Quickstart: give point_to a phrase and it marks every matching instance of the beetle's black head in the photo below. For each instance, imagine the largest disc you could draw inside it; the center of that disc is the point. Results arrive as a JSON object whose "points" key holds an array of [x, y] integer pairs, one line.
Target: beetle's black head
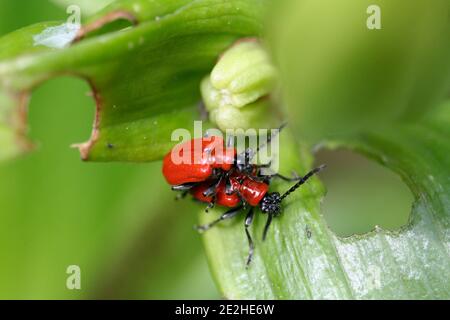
{"points": [[271, 203]]}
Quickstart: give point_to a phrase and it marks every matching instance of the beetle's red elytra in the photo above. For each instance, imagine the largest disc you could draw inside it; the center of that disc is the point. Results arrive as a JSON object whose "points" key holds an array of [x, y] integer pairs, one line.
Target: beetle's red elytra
{"points": [[196, 164]]}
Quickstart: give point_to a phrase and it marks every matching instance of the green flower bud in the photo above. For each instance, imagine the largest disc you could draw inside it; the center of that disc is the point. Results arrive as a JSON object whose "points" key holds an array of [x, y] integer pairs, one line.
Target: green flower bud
{"points": [[232, 93]]}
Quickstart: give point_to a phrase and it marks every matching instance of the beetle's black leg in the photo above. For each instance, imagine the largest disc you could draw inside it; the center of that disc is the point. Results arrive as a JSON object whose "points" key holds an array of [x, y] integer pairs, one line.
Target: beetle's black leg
{"points": [[211, 205], [227, 215], [230, 191], [260, 177], [184, 187], [244, 203], [182, 195], [228, 187], [295, 177], [251, 245], [266, 228], [267, 165], [211, 191]]}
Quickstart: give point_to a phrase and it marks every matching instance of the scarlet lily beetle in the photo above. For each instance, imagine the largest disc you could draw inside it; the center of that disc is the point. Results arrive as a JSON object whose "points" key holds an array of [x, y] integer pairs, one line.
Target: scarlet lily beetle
{"points": [[228, 179]]}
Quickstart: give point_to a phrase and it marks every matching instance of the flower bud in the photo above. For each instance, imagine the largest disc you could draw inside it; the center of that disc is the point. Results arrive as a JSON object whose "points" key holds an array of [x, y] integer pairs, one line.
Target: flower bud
{"points": [[234, 92]]}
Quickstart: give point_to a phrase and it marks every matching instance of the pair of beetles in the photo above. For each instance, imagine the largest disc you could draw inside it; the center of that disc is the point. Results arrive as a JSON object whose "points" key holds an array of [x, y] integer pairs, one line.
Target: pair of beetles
{"points": [[225, 178]]}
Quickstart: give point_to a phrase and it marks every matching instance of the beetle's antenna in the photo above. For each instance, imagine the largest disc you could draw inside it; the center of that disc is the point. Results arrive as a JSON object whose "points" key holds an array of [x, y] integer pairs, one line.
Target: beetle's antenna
{"points": [[269, 139], [249, 153], [303, 180]]}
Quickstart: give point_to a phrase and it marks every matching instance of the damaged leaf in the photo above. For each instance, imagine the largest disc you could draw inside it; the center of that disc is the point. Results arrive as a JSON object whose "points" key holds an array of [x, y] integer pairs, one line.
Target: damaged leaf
{"points": [[145, 78]]}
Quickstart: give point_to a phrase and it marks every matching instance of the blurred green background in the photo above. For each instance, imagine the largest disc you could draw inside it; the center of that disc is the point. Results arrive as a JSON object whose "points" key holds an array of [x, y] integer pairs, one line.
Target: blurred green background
{"points": [[119, 222]]}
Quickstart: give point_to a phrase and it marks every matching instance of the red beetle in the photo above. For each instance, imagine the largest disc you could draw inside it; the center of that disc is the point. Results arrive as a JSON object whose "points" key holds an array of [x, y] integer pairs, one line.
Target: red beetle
{"points": [[220, 176]]}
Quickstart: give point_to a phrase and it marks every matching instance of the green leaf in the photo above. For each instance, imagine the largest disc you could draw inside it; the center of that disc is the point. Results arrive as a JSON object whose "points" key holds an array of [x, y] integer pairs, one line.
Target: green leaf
{"points": [[303, 259], [146, 74], [145, 79], [119, 222]]}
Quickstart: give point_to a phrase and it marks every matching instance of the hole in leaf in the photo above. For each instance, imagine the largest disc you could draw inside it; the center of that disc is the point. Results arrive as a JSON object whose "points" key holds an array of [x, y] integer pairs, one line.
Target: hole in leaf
{"points": [[362, 194], [59, 127]]}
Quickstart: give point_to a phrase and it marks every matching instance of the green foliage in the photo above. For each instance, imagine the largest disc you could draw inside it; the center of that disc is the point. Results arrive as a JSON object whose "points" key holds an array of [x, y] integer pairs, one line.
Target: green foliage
{"points": [[344, 87], [411, 263], [341, 77], [145, 79], [118, 222]]}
